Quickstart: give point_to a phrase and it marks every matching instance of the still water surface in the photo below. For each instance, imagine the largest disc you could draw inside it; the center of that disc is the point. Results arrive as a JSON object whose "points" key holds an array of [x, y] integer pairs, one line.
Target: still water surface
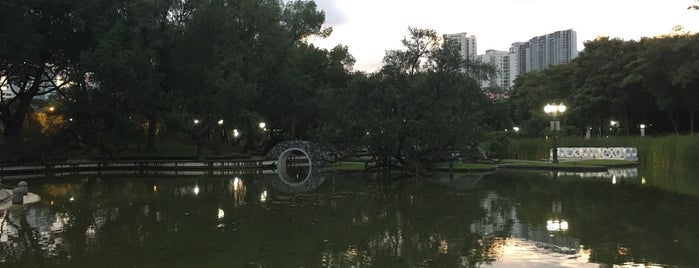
{"points": [[503, 219]]}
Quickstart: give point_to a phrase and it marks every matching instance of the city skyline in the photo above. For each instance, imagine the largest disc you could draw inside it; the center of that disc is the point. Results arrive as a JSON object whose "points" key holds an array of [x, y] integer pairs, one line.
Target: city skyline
{"points": [[371, 28]]}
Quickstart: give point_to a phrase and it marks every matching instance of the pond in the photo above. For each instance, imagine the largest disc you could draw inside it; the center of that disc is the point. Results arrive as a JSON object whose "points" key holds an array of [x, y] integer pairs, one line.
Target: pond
{"points": [[502, 219]]}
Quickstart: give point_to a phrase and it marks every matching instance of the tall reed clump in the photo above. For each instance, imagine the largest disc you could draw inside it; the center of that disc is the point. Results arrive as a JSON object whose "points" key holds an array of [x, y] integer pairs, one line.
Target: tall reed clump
{"points": [[674, 151]]}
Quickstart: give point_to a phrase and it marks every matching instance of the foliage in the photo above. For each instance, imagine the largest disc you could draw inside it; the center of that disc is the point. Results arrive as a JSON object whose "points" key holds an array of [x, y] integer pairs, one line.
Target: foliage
{"points": [[498, 144], [421, 105], [41, 43], [130, 70], [652, 81]]}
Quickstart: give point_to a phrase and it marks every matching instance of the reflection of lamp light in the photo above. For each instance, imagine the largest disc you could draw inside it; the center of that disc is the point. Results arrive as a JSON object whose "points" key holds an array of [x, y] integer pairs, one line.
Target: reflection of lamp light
{"points": [[221, 214], [236, 183], [557, 225]]}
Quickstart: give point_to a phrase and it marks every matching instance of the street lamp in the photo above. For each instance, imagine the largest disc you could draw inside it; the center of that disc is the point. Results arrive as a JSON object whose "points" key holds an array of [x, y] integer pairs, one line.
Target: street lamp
{"points": [[554, 110], [222, 130], [643, 130], [262, 125]]}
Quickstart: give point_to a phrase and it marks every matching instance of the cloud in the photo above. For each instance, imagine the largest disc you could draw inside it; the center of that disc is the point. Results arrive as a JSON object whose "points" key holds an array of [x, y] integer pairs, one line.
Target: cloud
{"points": [[333, 15]]}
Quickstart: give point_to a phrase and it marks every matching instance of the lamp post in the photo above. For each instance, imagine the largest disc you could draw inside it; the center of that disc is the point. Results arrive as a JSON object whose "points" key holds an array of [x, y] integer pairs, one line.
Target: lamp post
{"points": [[643, 130], [222, 130], [554, 110]]}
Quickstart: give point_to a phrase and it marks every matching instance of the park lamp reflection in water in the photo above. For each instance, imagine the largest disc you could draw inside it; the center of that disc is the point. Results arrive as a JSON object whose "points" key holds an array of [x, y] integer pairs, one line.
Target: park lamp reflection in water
{"points": [[557, 225], [238, 190], [220, 214], [237, 184], [263, 196]]}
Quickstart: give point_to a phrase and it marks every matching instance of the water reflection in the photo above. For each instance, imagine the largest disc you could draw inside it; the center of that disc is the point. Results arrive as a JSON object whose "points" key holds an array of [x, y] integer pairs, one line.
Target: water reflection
{"points": [[499, 219], [457, 181], [613, 172], [290, 181]]}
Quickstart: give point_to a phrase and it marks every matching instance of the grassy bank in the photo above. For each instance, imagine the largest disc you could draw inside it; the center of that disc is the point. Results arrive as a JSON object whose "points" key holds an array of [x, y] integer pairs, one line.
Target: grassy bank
{"points": [[582, 165], [662, 152]]}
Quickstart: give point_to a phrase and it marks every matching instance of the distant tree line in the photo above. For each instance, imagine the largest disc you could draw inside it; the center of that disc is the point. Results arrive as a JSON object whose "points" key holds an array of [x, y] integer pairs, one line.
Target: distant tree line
{"points": [[130, 71], [654, 82], [133, 69], [127, 72]]}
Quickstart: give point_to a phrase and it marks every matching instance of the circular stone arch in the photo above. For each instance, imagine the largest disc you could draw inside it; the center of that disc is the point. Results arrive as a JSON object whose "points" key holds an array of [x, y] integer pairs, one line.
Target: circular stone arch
{"points": [[280, 153]]}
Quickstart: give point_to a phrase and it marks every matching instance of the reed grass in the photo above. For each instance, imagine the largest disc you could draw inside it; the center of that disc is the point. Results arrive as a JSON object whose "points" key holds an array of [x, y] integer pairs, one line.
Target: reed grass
{"points": [[674, 151]]}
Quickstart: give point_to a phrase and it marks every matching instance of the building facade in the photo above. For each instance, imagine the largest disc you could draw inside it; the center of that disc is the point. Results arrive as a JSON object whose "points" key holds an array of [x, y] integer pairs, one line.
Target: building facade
{"points": [[467, 44], [519, 54], [552, 49], [501, 60]]}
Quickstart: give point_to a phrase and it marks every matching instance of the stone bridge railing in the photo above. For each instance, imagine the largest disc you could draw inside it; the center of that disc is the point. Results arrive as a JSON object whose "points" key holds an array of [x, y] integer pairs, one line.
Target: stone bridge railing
{"points": [[583, 153]]}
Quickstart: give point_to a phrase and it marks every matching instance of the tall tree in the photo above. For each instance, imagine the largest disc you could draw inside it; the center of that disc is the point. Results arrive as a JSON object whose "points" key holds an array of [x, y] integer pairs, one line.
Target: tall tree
{"points": [[667, 69], [130, 60], [421, 105], [600, 90], [41, 43]]}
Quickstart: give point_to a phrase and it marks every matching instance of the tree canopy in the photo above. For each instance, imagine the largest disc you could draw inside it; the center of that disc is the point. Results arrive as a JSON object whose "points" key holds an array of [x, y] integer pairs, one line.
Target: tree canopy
{"points": [[650, 82], [422, 105]]}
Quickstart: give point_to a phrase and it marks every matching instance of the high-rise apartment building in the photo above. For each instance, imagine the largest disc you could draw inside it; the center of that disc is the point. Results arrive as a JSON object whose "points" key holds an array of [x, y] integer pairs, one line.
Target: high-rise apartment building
{"points": [[501, 60], [518, 54], [467, 44], [552, 49]]}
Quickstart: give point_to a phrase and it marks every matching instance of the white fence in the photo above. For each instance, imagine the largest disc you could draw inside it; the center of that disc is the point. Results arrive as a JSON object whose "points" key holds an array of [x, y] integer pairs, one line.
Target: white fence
{"points": [[582, 153]]}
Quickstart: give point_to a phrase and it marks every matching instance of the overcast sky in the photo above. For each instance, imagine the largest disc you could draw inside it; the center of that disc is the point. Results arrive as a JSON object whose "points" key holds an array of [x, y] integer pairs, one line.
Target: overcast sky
{"points": [[370, 27]]}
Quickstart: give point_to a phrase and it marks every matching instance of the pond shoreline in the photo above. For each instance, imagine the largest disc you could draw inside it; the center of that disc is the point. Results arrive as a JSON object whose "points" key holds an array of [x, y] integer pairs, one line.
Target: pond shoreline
{"points": [[254, 163]]}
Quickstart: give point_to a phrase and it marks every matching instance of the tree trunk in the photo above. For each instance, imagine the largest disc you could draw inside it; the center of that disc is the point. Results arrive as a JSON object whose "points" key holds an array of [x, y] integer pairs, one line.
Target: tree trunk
{"points": [[691, 121], [673, 120], [14, 123], [150, 138], [200, 144]]}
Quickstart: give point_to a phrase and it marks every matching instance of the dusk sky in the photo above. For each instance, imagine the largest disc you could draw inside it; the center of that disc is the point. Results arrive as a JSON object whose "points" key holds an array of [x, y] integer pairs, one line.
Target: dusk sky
{"points": [[369, 28]]}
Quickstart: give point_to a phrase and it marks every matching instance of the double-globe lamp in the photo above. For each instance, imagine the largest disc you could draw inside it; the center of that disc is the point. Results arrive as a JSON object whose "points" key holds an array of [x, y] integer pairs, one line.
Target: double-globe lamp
{"points": [[554, 110]]}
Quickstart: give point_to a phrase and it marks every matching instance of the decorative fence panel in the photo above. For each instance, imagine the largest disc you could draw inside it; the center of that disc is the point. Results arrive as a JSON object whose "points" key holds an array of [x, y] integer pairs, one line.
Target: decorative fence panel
{"points": [[582, 153]]}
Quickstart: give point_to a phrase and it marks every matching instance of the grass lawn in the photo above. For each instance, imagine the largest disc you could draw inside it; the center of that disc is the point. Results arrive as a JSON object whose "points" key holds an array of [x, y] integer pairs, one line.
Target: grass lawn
{"points": [[572, 165], [464, 166], [595, 164], [345, 166]]}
